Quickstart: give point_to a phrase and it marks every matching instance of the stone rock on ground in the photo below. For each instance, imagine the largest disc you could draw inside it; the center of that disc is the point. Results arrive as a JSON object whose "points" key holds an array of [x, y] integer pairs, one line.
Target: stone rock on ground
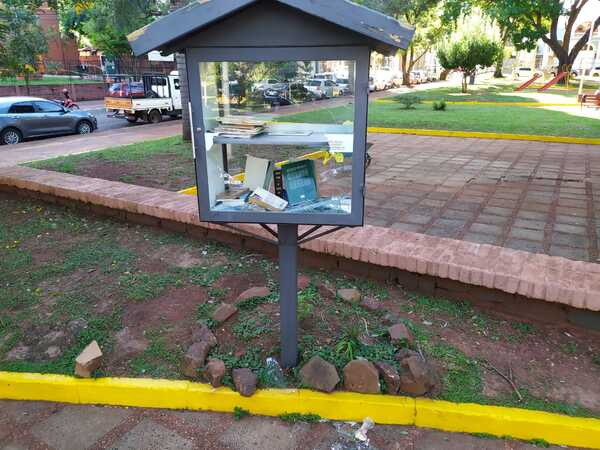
{"points": [[195, 358], [326, 291], [253, 292], [417, 377], [390, 376], [224, 312], [404, 353], [371, 303], [18, 353], [53, 352], [319, 374], [203, 334], [400, 333], [303, 282], [88, 360], [76, 326], [53, 337], [214, 372], [361, 376], [128, 344], [245, 381], [349, 295]]}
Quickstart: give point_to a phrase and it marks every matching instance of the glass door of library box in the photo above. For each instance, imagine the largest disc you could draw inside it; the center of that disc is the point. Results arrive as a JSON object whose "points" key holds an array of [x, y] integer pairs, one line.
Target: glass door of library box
{"points": [[281, 140]]}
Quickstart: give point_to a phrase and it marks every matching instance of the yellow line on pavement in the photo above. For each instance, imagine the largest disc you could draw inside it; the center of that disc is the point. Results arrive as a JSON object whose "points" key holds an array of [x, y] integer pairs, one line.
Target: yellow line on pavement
{"points": [[486, 135], [383, 409]]}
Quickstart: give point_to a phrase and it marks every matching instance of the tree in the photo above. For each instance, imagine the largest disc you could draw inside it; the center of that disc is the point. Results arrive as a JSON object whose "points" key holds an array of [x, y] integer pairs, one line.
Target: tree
{"points": [[467, 54], [527, 21], [423, 15], [22, 42]]}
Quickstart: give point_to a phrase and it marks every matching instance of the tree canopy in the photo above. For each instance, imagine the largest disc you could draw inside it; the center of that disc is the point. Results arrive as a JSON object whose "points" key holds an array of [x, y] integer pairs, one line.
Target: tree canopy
{"points": [[469, 53]]}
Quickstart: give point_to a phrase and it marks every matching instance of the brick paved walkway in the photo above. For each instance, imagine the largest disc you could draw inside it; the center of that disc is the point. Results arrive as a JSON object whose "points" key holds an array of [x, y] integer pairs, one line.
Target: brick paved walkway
{"points": [[533, 196], [46, 426]]}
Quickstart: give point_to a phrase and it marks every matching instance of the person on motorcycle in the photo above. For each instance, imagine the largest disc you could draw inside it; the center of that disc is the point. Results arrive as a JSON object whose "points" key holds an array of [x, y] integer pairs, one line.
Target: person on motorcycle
{"points": [[67, 102]]}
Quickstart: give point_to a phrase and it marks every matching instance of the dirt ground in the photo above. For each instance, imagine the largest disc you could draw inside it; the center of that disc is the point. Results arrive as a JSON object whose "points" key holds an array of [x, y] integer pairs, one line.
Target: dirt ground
{"points": [[68, 278]]}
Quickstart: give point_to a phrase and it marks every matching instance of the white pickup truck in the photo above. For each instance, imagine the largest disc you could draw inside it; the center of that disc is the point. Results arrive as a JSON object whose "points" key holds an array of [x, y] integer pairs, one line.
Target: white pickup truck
{"points": [[148, 100]]}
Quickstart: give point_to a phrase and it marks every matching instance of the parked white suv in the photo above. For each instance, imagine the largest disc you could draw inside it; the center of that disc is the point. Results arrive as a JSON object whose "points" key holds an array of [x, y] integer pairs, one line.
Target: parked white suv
{"points": [[595, 72], [323, 88]]}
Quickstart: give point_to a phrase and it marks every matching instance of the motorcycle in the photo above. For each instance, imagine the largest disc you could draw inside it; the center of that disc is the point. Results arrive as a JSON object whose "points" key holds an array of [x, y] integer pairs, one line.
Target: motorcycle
{"points": [[67, 104]]}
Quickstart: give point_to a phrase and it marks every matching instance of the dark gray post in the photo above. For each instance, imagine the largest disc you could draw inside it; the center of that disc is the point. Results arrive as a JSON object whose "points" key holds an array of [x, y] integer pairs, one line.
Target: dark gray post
{"points": [[288, 293]]}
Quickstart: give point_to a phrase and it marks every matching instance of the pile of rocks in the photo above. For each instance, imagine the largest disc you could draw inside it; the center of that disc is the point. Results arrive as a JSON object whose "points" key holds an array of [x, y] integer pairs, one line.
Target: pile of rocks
{"points": [[415, 376], [195, 364]]}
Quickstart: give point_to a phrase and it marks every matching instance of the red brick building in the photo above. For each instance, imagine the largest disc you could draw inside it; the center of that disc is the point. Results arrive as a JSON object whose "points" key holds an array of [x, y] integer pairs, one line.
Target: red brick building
{"points": [[62, 51]]}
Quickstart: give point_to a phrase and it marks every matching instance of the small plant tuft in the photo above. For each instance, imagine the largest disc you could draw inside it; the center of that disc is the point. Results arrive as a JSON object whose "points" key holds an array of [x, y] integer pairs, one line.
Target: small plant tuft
{"points": [[439, 106], [409, 101], [299, 417], [240, 413]]}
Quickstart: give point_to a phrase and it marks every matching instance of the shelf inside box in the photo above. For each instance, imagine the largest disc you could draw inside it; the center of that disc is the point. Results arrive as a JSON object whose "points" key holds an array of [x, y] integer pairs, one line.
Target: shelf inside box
{"points": [[302, 134]]}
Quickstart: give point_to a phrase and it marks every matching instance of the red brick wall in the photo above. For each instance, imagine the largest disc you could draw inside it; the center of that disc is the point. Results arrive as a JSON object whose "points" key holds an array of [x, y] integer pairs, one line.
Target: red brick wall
{"points": [[60, 49], [79, 92]]}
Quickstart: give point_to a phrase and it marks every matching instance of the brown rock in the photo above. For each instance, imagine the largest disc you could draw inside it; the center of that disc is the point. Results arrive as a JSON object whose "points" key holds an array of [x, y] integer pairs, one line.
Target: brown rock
{"points": [[404, 353], [18, 353], [88, 360], [195, 358], [361, 376], [127, 344], [224, 312], [53, 351], [370, 303], [245, 381], [349, 295], [203, 334], [253, 292], [417, 377], [400, 333], [303, 282], [319, 374], [390, 376], [326, 291], [214, 372]]}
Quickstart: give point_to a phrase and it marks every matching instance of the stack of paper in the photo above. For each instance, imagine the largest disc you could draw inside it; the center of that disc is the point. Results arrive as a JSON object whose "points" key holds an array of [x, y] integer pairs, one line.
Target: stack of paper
{"points": [[267, 200], [240, 127]]}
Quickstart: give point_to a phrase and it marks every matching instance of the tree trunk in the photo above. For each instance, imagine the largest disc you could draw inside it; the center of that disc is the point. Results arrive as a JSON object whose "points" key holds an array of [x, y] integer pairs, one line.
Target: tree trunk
{"points": [[186, 131], [26, 76], [465, 83], [405, 70]]}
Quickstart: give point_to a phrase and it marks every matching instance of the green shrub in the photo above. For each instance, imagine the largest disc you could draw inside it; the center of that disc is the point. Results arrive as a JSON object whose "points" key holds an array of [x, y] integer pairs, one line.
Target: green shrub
{"points": [[439, 106], [409, 101]]}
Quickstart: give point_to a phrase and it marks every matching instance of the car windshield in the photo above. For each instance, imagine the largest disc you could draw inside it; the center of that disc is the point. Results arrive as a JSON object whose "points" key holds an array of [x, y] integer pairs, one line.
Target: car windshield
{"points": [[525, 68], [342, 80], [314, 83]]}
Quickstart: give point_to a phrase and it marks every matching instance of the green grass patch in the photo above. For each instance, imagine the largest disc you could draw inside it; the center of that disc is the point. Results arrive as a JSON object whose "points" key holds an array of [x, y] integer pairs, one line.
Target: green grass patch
{"points": [[389, 113], [46, 81], [145, 286], [122, 154], [158, 360], [240, 413]]}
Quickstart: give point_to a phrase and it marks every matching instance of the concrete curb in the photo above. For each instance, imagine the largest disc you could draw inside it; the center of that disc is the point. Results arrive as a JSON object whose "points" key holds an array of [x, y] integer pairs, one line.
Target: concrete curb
{"points": [[486, 135], [383, 409]]}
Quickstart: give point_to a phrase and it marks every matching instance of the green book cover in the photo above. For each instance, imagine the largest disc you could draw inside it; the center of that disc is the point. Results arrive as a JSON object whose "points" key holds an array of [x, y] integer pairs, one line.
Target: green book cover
{"points": [[300, 181]]}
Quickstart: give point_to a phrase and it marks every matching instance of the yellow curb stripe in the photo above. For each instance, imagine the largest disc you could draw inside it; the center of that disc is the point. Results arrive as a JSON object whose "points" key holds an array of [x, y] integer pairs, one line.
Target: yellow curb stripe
{"points": [[486, 135], [167, 394], [468, 102]]}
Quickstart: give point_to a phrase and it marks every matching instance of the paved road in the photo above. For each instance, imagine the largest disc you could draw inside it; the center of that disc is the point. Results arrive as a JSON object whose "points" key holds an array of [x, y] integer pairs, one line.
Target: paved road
{"points": [[70, 145]]}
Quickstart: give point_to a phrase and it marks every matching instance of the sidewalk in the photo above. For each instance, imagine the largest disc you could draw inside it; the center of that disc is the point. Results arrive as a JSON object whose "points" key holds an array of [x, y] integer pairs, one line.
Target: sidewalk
{"points": [[39, 425], [75, 144]]}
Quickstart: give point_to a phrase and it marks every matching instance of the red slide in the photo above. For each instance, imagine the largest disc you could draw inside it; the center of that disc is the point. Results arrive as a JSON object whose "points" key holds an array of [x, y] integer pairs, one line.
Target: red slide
{"points": [[528, 82], [553, 81]]}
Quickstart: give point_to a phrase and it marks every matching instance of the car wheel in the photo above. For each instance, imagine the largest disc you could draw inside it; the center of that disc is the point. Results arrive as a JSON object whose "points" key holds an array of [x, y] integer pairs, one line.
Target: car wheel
{"points": [[132, 119], [84, 127], [155, 116], [11, 136]]}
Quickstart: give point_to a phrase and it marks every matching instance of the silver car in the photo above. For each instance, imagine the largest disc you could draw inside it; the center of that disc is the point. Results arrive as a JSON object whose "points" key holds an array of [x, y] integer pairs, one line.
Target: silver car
{"points": [[28, 117]]}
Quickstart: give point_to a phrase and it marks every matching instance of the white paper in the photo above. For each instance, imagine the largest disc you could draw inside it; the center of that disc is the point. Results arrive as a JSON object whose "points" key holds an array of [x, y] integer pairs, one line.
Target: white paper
{"points": [[340, 143]]}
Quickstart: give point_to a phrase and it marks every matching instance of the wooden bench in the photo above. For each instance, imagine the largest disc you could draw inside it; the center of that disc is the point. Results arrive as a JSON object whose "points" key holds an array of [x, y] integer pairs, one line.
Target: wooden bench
{"points": [[589, 100]]}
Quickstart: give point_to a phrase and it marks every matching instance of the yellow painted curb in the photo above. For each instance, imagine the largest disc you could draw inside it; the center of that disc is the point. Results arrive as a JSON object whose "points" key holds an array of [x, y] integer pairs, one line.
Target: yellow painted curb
{"points": [[468, 102], [486, 135], [149, 393]]}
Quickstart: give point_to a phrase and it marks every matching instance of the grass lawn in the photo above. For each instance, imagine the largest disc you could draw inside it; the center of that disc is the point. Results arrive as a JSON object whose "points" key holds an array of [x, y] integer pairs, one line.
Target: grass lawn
{"points": [[47, 80], [68, 278]]}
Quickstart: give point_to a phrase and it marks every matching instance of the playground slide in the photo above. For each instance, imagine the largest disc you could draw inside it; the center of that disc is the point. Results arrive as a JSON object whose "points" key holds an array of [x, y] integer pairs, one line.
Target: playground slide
{"points": [[528, 82], [553, 81]]}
